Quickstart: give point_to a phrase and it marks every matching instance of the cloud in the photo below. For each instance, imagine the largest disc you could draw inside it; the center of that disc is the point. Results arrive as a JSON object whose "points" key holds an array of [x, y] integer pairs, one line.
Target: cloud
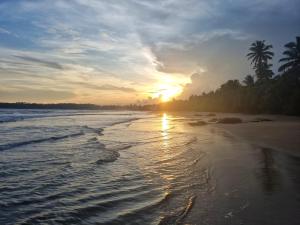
{"points": [[4, 31], [132, 45], [221, 56], [116, 88], [200, 82], [34, 95], [105, 87], [46, 63]]}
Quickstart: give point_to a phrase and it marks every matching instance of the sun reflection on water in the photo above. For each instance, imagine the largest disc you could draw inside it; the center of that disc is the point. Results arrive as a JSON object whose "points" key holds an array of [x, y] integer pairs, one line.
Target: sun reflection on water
{"points": [[165, 129], [165, 122]]}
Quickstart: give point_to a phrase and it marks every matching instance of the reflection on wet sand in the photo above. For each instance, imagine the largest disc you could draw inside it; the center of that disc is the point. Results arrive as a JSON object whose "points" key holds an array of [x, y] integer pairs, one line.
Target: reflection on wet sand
{"points": [[269, 175]]}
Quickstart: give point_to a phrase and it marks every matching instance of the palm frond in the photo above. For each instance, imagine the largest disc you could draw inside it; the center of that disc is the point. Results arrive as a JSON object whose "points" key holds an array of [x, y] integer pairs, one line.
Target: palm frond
{"points": [[290, 45], [285, 66], [285, 59]]}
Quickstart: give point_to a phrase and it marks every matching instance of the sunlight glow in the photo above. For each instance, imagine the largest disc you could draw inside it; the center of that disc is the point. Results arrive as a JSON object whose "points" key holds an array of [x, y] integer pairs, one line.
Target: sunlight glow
{"points": [[164, 123], [165, 130], [167, 92]]}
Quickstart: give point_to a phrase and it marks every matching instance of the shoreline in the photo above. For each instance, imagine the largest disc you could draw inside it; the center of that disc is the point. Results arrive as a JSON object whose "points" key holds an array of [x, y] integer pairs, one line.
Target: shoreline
{"points": [[277, 132]]}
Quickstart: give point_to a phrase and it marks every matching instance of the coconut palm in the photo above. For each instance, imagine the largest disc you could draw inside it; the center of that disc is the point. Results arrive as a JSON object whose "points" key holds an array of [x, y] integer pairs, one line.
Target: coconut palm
{"points": [[259, 55], [292, 53], [263, 71], [260, 52]]}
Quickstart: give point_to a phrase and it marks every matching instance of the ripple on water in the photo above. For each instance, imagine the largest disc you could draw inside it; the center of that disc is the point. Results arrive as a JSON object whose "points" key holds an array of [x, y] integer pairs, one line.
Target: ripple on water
{"points": [[94, 175]]}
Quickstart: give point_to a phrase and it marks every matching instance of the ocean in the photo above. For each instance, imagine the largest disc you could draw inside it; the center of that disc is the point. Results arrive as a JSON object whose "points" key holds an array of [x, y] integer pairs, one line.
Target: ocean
{"points": [[125, 167]]}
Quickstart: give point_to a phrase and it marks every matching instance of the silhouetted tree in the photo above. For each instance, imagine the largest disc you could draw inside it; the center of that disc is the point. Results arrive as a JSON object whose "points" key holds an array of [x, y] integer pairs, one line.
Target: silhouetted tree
{"points": [[231, 85], [259, 55], [292, 56], [279, 94], [249, 81], [263, 71]]}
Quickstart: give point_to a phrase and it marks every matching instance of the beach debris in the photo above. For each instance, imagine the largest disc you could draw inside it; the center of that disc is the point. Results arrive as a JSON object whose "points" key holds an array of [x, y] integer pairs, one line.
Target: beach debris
{"points": [[246, 205], [230, 120], [198, 123], [229, 215]]}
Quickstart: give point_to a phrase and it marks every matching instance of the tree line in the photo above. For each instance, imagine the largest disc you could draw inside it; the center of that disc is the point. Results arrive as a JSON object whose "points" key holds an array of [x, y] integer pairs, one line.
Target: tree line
{"points": [[263, 92], [66, 106]]}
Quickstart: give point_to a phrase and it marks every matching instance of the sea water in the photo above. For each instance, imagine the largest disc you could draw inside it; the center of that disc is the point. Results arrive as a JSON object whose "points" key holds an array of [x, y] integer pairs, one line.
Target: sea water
{"points": [[125, 167]]}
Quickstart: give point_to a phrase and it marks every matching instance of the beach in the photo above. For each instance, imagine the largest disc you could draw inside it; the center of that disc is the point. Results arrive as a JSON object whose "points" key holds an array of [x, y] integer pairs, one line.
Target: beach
{"points": [[273, 159], [127, 167], [282, 134]]}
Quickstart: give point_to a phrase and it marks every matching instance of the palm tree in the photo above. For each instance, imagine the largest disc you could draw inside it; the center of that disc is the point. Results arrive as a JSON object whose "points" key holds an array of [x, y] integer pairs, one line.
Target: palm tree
{"points": [[292, 59], [263, 71], [260, 52], [248, 81], [259, 55]]}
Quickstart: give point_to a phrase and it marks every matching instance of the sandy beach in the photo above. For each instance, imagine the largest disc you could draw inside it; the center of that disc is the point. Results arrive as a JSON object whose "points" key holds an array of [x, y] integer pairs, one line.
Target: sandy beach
{"points": [[282, 134]]}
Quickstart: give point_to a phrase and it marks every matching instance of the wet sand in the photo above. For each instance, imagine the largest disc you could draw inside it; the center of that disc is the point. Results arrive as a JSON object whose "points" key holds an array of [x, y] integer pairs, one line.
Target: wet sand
{"points": [[254, 171], [283, 134]]}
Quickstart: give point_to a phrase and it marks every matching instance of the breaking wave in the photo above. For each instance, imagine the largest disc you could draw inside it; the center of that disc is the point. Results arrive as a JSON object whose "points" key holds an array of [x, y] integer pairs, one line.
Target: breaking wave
{"points": [[36, 141]]}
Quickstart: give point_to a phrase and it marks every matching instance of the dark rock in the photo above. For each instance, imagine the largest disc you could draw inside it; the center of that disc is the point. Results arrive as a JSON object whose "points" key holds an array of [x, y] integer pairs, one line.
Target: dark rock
{"points": [[230, 120], [262, 120], [198, 123], [211, 114], [213, 120]]}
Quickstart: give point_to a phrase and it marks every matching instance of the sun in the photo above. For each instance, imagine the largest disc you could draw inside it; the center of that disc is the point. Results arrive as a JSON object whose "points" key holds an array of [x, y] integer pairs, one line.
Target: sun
{"points": [[167, 92]]}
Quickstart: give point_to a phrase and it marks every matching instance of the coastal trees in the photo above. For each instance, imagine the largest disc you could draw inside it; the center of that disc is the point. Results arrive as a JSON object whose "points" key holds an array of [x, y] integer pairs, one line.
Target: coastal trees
{"points": [[292, 56], [259, 54], [249, 81], [279, 94], [230, 85], [263, 71]]}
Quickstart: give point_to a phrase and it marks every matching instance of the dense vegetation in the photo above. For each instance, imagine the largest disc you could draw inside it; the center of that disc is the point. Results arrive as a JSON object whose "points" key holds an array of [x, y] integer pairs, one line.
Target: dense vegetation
{"points": [[261, 93]]}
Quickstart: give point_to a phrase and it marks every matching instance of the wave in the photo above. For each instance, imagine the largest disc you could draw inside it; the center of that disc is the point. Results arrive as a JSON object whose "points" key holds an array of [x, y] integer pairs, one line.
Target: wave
{"points": [[10, 119], [108, 156], [178, 215], [53, 138], [125, 121], [16, 118], [95, 130]]}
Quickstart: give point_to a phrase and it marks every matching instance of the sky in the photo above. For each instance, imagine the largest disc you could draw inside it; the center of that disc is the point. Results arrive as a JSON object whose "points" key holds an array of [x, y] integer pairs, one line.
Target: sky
{"points": [[133, 51]]}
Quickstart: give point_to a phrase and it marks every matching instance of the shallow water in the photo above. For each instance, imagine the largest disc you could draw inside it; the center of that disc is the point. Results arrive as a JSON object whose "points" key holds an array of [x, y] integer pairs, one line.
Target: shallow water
{"points": [[121, 167]]}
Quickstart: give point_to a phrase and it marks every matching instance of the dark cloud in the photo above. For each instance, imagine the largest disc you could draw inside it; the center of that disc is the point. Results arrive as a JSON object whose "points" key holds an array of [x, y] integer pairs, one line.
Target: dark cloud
{"points": [[43, 62], [220, 56], [36, 95], [219, 41], [105, 87]]}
